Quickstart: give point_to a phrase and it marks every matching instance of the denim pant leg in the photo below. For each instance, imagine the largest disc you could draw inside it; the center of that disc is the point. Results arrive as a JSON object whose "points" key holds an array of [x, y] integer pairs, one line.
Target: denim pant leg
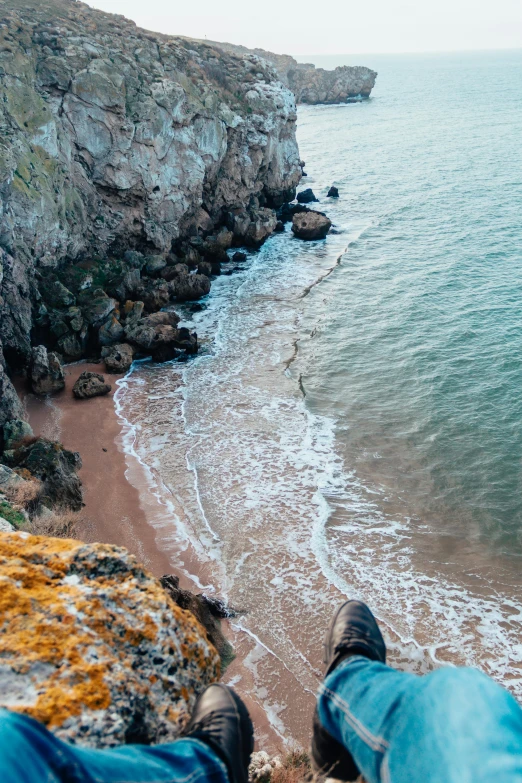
{"points": [[451, 726], [30, 753]]}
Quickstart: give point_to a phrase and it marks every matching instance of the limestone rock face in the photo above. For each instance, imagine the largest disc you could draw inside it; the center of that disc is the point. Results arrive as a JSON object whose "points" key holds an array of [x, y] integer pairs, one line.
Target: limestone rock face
{"points": [[309, 84], [93, 647], [118, 136], [311, 225]]}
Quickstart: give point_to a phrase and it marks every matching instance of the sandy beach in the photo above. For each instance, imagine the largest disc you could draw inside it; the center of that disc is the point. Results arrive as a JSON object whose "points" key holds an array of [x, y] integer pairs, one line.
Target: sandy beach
{"points": [[118, 511]]}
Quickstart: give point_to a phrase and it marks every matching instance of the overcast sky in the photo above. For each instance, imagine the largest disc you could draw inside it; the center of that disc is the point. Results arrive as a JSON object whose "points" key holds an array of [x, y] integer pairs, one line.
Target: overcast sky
{"points": [[336, 26]]}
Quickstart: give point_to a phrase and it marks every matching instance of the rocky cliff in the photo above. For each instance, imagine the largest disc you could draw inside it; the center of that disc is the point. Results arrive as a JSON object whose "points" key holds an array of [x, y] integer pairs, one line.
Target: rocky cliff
{"points": [[344, 84], [115, 139]]}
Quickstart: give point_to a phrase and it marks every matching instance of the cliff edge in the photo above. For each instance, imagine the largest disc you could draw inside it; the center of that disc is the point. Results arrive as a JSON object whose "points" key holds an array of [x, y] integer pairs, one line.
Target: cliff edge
{"points": [[344, 84], [112, 139]]}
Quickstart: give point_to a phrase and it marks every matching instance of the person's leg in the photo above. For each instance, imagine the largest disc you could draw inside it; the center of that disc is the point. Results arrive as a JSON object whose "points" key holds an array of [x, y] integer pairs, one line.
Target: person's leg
{"points": [[29, 753], [451, 726]]}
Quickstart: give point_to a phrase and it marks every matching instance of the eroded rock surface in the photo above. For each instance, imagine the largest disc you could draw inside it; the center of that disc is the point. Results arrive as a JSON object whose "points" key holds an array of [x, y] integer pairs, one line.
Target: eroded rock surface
{"points": [[311, 225], [90, 384], [344, 84], [93, 647]]}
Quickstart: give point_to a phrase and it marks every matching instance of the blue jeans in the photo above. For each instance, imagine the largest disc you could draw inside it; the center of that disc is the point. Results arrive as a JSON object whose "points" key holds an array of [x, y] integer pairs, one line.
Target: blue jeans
{"points": [[450, 726], [31, 754]]}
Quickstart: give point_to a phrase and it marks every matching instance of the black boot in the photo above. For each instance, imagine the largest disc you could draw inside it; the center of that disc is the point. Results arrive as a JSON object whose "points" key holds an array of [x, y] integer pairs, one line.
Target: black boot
{"points": [[353, 631], [221, 720]]}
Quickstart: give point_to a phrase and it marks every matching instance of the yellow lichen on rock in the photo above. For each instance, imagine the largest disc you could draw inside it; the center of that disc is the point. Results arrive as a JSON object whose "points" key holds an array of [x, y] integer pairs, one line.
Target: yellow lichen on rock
{"points": [[92, 646]]}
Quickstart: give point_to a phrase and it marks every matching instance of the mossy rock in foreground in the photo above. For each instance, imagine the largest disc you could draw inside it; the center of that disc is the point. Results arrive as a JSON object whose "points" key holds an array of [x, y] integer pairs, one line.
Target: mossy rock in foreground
{"points": [[93, 647]]}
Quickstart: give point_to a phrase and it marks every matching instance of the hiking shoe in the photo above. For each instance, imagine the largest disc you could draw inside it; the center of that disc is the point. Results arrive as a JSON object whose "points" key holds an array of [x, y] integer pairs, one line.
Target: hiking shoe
{"points": [[353, 631], [221, 720]]}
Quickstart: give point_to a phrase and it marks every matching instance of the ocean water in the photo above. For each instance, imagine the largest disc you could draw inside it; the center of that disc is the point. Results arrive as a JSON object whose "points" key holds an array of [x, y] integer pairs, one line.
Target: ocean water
{"points": [[353, 424]]}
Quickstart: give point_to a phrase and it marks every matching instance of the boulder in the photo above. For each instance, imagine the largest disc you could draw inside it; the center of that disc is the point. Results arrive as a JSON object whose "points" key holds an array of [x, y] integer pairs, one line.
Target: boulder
{"points": [[190, 287], [118, 358], [71, 347], [97, 306], [173, 272], [14, 431], [46, 372], [287, 212], [306, 196], [9, 479], [90, 384], [5, 526], [132, 312], [261, 226], [154, 294], [280, 227], [55, 294], [311, 225], [111, 331], [93, 647], [209, 612], [56, 468], [333, 192], [205, 268], [154, 265], [164, 317], [239, 257], [123, 286]]}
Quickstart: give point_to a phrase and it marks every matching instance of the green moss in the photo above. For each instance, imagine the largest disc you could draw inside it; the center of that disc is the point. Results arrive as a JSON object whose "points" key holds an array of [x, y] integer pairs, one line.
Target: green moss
{"points": [[16, 518]]}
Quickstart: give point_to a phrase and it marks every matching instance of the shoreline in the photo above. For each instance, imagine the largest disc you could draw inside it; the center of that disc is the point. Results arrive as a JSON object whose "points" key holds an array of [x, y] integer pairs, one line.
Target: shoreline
{"points": [[120, 509]]}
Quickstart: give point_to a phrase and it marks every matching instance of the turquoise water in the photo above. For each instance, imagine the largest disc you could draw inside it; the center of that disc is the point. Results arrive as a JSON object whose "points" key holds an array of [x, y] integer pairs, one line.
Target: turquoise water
{"points": [[419, 356], [352, 426]]}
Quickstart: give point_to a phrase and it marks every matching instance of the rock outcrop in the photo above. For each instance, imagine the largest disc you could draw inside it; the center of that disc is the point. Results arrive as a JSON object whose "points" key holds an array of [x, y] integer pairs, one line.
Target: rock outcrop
{"points": [[311, 225], [115, 139], [345, 84], [47, 375], [93, 647]]}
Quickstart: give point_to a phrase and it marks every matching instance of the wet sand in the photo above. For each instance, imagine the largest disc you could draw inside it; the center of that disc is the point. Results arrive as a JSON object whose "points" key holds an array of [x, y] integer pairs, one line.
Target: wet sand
{"points": [[119, 512]]}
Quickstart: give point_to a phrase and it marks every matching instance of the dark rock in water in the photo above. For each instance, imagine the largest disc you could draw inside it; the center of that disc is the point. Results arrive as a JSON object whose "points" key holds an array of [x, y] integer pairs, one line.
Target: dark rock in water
{"points": [[333, 192], [280, 226], [197, 308], [15, 431], [311, 225], [304, 174], [239, 257], [46, 373], [56, 467], [207, 611], [166, 352], [190, 287], [90, 384], [118, 358], [287, 211], [306, 196]]}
